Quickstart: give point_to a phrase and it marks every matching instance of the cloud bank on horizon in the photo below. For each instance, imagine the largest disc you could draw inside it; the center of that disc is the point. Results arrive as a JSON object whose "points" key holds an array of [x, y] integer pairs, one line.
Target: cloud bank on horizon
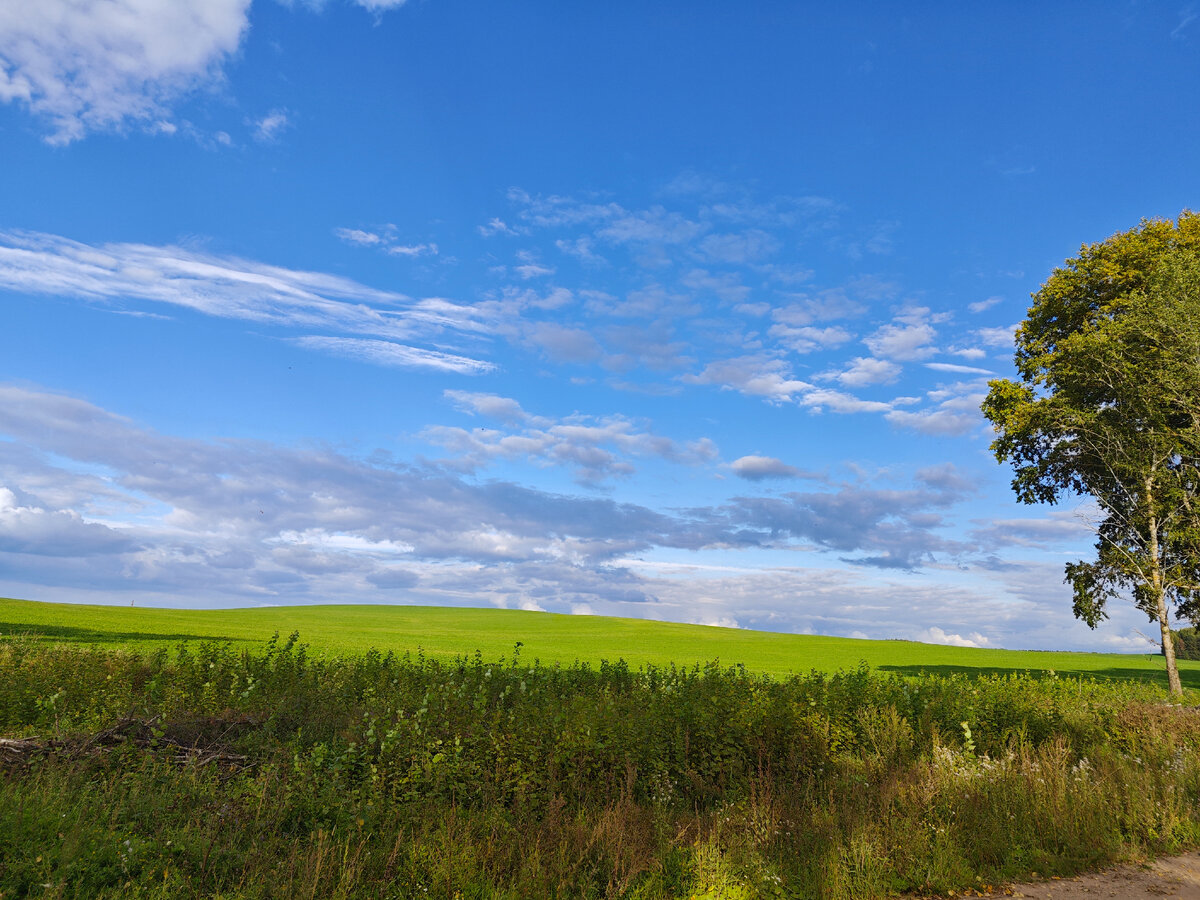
{"points": [[308, 314]]}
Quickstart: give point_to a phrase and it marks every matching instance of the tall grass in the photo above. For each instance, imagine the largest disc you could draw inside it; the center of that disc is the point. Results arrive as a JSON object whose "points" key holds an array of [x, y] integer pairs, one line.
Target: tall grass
{"points": [[276, 774]]}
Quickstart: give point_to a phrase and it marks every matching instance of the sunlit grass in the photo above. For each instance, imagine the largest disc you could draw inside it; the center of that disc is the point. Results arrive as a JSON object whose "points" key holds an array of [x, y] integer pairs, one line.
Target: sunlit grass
{"points": [[550, 638]]}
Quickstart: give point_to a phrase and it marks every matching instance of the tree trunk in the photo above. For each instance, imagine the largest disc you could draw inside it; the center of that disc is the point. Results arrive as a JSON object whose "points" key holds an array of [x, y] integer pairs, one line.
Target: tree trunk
{"points": [[1168, 647], [1160, 605]]}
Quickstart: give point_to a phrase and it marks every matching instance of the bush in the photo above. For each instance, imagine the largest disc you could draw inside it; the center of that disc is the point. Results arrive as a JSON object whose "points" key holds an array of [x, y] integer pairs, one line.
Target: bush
{"points": [[213, 772]]}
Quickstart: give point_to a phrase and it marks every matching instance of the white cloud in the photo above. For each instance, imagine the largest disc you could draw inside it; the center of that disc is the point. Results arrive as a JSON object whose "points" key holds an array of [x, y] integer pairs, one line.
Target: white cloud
{"points": [[727, 286], [936, 635], [997, 337], [956, 411], [268, 128], [651, 226], [969, 352], [360, 237], [36, 530], [564, 344], [841, 402], [596, 447], [386, 239], [902, 342], [87, 65], [759, 468], [380, 5], [980, 305], [497, 226], [807, 338], [865, 370], [388, 353], [1057, 528], [826, 306], [233, 288], [491, 405], [757, 376], [530, 266], [957, 369], [413, 250], [580, 248]]}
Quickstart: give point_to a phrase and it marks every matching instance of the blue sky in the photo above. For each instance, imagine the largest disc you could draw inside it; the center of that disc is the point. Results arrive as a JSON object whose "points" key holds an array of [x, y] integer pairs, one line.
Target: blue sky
{"points": [[678, 310]]}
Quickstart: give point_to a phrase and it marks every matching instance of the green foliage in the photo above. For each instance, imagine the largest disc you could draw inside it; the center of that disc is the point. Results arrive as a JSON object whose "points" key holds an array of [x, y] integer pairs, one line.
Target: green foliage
{"points": [[279, 773], [1108, 406], [1187, 643]]}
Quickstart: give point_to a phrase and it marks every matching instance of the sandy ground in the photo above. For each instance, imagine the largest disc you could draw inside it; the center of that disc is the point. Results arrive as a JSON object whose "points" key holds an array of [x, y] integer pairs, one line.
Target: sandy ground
{"points": [[1177, 876]]}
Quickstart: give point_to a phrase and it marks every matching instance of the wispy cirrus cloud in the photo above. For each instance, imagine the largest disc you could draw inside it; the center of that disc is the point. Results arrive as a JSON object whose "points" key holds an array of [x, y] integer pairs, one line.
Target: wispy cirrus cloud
{"points": [[385, 238], [268, 129], [389, 353], [383, 323]]}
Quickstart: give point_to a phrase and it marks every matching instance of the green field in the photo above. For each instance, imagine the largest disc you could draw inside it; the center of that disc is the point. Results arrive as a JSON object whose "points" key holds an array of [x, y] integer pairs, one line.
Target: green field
{"points": [[547, 637]]}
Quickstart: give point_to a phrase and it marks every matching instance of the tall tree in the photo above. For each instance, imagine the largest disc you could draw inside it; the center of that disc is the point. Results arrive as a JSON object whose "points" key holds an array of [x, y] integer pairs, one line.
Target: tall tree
{"points": [[1108, 406]]}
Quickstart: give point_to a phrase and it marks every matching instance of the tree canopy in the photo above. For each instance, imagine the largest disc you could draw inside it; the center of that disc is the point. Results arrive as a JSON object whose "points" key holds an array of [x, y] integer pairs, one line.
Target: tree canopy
{"points": [[1108, 406]]}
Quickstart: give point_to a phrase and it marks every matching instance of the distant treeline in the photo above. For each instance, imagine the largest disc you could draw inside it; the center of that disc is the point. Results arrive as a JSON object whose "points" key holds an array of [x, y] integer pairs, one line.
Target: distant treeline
{"points": [[1187, 643]]}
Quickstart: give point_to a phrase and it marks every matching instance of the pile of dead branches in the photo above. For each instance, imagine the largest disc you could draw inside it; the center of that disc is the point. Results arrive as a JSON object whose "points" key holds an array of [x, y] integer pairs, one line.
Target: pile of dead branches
{"points": [[193, 742]]}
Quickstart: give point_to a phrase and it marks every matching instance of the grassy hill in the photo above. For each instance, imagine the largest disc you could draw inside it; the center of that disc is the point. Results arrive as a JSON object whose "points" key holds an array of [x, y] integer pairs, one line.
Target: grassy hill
{"points": [[547, 637]]}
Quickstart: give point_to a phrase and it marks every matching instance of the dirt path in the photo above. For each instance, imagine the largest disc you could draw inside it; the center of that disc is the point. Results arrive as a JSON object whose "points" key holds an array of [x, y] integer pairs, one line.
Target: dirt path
{"points": [[1176, 876]]}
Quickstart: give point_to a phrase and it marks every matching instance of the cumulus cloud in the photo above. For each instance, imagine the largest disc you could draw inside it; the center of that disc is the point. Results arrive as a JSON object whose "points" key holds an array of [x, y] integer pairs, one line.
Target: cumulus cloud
{"points": [[493, 406], [866, 370], [936, 635], [36, 530], [826, 306], [756, 376], [807, 338], [1001, 338], [955, 410], [820, 399], [102, 65], [902, 342]]}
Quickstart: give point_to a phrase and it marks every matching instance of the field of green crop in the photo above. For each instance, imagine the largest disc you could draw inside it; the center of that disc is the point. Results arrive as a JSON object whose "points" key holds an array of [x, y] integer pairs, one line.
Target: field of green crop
{"points": [[547, 637]]}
